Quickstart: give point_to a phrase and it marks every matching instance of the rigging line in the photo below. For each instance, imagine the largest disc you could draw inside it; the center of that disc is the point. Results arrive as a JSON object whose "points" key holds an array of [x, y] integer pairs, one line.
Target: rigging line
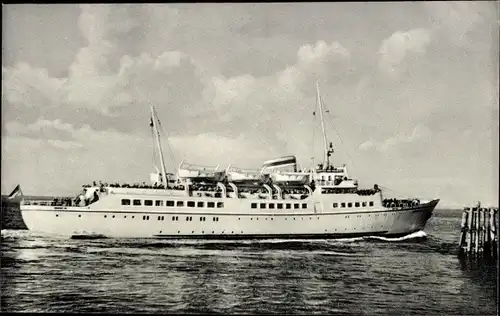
{"points": [[172, 153], [341, 141], [154, 147], [313, 136], [345, 147], [391, 190]]}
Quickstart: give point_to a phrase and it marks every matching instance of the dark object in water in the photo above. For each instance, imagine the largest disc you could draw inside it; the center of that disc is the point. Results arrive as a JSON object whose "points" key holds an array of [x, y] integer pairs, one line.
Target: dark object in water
{"points": [[96, 236]]}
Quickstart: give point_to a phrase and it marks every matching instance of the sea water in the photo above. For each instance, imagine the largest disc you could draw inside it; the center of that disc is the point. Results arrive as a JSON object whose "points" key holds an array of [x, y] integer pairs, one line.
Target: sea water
{"points": [[418, 274]]}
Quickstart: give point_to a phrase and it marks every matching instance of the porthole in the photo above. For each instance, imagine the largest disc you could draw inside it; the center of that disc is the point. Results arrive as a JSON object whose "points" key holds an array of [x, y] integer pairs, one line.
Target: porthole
{"points": [[105, 216], [125, 216], [57, 215], [79, 215], [113, 216], [133, 216]]}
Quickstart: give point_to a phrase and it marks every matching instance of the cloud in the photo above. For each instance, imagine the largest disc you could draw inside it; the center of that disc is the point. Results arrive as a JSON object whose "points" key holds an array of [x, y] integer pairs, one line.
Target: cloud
{"points": [[30, 87], [418, 133], [190, 101], [465, 23], [64, 144], [395, 49]]}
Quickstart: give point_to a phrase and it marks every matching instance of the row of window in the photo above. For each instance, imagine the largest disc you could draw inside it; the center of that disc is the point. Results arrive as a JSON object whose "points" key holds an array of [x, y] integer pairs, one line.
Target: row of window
{"points": [[172, 203], [216, 219], [349, 204], [279, 205]]}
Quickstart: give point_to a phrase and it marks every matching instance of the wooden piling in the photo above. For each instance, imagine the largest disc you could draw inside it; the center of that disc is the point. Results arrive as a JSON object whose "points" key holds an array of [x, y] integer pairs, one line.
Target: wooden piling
{"points": [[479, 234], [464, 230]]}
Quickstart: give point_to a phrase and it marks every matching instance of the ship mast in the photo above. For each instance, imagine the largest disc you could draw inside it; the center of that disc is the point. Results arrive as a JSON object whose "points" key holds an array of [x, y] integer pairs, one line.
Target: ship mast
{"points": [[164, 173], [326, 160]]}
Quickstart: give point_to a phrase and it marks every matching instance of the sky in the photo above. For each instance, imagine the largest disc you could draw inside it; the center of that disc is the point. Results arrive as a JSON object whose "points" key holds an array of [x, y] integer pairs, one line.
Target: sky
{"points": [[411, 90]]}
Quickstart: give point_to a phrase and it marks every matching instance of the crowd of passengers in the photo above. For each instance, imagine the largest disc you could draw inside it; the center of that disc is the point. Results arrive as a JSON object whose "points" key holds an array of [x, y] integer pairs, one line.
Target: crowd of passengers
{"points": [[80, 200], [135, 185], [399, 203], [348, 190]]}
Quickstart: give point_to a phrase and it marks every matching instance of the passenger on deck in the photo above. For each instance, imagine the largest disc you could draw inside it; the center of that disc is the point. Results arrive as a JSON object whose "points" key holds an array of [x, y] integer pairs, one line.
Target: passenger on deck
{"points": [[96, 197], [81, 200]]}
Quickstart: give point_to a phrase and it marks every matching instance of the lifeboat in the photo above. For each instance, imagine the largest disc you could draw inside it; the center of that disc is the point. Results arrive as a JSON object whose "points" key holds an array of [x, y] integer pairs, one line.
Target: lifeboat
{"points": [[199, 173], [238, 175], [290, 178]]}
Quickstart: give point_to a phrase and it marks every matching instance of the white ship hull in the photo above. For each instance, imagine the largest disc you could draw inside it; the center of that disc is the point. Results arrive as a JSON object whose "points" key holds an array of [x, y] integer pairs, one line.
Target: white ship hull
{"points": [[235, 220]]}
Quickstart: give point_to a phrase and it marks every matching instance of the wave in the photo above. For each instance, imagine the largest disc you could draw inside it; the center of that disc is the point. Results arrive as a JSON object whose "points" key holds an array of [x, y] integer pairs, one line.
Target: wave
{"points": [[419, 235]]}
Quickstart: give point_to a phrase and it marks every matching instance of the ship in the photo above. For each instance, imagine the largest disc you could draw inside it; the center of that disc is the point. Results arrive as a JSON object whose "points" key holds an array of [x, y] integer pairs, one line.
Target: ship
{"points": [[206, 202]]}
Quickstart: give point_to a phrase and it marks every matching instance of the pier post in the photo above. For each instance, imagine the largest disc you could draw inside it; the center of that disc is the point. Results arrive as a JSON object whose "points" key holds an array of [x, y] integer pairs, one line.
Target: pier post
{"points": [[480, 228], [469, 232], [479, 234], [464, 231]]}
